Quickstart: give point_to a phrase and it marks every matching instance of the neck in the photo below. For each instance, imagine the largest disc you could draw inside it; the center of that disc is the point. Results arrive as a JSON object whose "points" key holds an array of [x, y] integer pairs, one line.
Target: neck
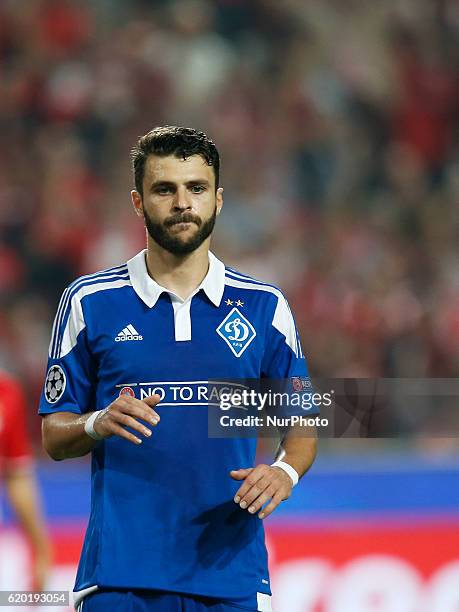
{"points": [[181, 274]]}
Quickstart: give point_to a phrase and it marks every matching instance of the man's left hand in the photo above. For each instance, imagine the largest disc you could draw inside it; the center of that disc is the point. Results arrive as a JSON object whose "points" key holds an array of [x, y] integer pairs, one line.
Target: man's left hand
{"points": [[261, 484]]}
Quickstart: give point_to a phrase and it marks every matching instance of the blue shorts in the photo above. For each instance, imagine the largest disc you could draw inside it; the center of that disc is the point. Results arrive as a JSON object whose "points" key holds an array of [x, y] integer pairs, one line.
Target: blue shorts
{"points": [[154, 601]]}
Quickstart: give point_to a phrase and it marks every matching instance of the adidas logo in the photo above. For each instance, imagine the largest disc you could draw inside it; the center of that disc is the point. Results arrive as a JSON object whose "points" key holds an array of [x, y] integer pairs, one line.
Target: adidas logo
{"points": [[128, 333]]}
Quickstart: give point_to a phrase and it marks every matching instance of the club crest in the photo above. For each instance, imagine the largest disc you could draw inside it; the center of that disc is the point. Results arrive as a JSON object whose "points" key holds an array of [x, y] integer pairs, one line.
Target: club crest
{"points": [[237, 331]]}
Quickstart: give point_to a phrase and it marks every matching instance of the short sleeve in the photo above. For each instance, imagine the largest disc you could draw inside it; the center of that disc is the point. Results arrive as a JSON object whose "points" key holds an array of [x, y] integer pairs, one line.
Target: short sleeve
{"points": [[70, 377], [284, 364], [283, 356]]}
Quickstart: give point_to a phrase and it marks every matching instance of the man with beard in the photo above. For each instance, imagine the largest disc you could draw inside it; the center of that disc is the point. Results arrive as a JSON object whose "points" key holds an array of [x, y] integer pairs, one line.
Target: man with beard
{"points": [[175, 514]]}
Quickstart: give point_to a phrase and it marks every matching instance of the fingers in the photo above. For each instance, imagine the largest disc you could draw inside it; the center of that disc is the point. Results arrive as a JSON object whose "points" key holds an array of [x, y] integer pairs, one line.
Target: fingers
{"points": [[137, 408], [263, 484], [276, 500], [117, 430], [240, 474], [261, 499], [127, 421], [128, 411], [152, 400], [250, 495], [250, 480]]}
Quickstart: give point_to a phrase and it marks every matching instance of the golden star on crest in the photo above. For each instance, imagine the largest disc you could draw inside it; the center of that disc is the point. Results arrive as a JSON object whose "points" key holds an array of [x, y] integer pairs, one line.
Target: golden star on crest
{"points": [[229, 302], [239, 303]]}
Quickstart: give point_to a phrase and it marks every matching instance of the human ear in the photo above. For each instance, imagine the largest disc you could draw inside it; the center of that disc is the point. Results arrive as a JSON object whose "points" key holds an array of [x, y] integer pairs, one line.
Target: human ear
{"points": [[136, 199], [219, 199]]}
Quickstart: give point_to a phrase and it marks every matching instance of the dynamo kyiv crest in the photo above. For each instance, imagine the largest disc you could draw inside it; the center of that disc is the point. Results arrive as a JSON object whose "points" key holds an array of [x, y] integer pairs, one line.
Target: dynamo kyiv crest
{"points": [[237, 331]]}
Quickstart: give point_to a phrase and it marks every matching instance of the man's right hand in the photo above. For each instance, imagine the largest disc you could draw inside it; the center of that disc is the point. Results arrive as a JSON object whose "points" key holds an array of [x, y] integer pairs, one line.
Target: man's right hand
{"points": [[127, 411]]}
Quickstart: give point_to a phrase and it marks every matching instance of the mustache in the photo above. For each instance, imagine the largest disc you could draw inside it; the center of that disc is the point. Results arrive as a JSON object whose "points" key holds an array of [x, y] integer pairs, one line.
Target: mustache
{"points": [[183, 218]]}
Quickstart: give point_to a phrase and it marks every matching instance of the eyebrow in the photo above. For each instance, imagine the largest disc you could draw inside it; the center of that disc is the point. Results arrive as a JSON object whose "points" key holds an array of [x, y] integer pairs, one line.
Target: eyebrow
{"points": [[192, 182]]}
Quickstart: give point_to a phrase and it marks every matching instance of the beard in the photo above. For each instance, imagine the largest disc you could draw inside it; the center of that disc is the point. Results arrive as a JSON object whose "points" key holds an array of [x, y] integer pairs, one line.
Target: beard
{"points": [[159, 232]]}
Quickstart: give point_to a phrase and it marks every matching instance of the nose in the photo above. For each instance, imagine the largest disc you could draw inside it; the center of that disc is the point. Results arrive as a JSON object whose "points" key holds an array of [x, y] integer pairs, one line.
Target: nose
{"points": [[182, 200]]}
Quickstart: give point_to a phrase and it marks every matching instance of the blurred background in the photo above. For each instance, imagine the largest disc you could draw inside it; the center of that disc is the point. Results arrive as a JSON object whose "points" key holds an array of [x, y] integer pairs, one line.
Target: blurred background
{"points": [[337, 122]]}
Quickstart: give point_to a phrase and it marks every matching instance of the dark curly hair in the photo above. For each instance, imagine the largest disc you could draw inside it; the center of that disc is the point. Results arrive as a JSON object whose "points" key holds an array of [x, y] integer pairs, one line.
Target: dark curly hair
{"points": [[172, 140]]}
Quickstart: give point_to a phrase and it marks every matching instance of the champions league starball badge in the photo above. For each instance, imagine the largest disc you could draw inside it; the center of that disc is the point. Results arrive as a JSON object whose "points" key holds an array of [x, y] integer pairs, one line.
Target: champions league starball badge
{"points": [[54, 384]]}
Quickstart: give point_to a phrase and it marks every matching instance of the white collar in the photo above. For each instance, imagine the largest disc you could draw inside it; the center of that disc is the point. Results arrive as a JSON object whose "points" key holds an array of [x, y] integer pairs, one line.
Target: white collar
{"points": [[149, 291]]}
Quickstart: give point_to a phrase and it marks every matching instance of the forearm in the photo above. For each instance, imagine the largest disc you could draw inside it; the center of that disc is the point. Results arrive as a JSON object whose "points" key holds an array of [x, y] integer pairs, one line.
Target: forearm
{"points": [[299, 448], [23, 496], [64, 433], [64, 436]]}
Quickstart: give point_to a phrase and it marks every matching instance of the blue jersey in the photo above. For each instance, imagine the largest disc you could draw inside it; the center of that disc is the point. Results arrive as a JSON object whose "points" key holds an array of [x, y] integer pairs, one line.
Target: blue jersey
{"points": [[162, 513]]}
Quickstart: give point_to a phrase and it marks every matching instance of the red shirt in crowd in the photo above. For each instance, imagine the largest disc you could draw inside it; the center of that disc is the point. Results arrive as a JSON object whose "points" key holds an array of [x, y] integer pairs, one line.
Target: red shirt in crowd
{"points": [[15, 448]]}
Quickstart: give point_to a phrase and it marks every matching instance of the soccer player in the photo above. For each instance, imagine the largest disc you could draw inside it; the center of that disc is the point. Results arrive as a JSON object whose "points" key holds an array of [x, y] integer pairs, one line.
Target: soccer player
{"points": [[175, 514], [16, 463]]}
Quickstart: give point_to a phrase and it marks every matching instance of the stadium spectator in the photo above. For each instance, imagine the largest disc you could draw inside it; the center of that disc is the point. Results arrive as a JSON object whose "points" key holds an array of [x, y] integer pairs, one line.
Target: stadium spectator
{"points": [[16, 470]]}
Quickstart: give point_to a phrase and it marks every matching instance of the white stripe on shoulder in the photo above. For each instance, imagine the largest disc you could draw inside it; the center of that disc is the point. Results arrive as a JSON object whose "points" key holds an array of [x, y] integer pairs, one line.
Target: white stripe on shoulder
{"points": [[245, 277], [283, 319], [56, 323], [106, 272], [76, 323], [245, 284], [64, 302], [298, 345]]}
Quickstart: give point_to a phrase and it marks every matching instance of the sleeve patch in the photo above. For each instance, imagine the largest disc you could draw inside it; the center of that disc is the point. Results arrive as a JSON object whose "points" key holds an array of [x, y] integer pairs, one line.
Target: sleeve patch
{"points": [[55, 384]]}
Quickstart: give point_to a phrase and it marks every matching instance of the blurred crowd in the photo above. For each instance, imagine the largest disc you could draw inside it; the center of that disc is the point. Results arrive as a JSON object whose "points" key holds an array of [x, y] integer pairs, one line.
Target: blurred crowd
{"points": [[337, 122]]}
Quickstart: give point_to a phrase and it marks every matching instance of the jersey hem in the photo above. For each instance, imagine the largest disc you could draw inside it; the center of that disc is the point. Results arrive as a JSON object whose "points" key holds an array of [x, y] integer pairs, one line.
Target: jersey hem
{"points": [[79, 596], [224, 599]]}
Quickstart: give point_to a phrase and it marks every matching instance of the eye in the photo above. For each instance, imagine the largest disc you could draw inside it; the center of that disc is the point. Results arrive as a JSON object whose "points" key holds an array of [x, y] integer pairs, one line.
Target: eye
{"points": [[197, 188], [164, 190]]}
